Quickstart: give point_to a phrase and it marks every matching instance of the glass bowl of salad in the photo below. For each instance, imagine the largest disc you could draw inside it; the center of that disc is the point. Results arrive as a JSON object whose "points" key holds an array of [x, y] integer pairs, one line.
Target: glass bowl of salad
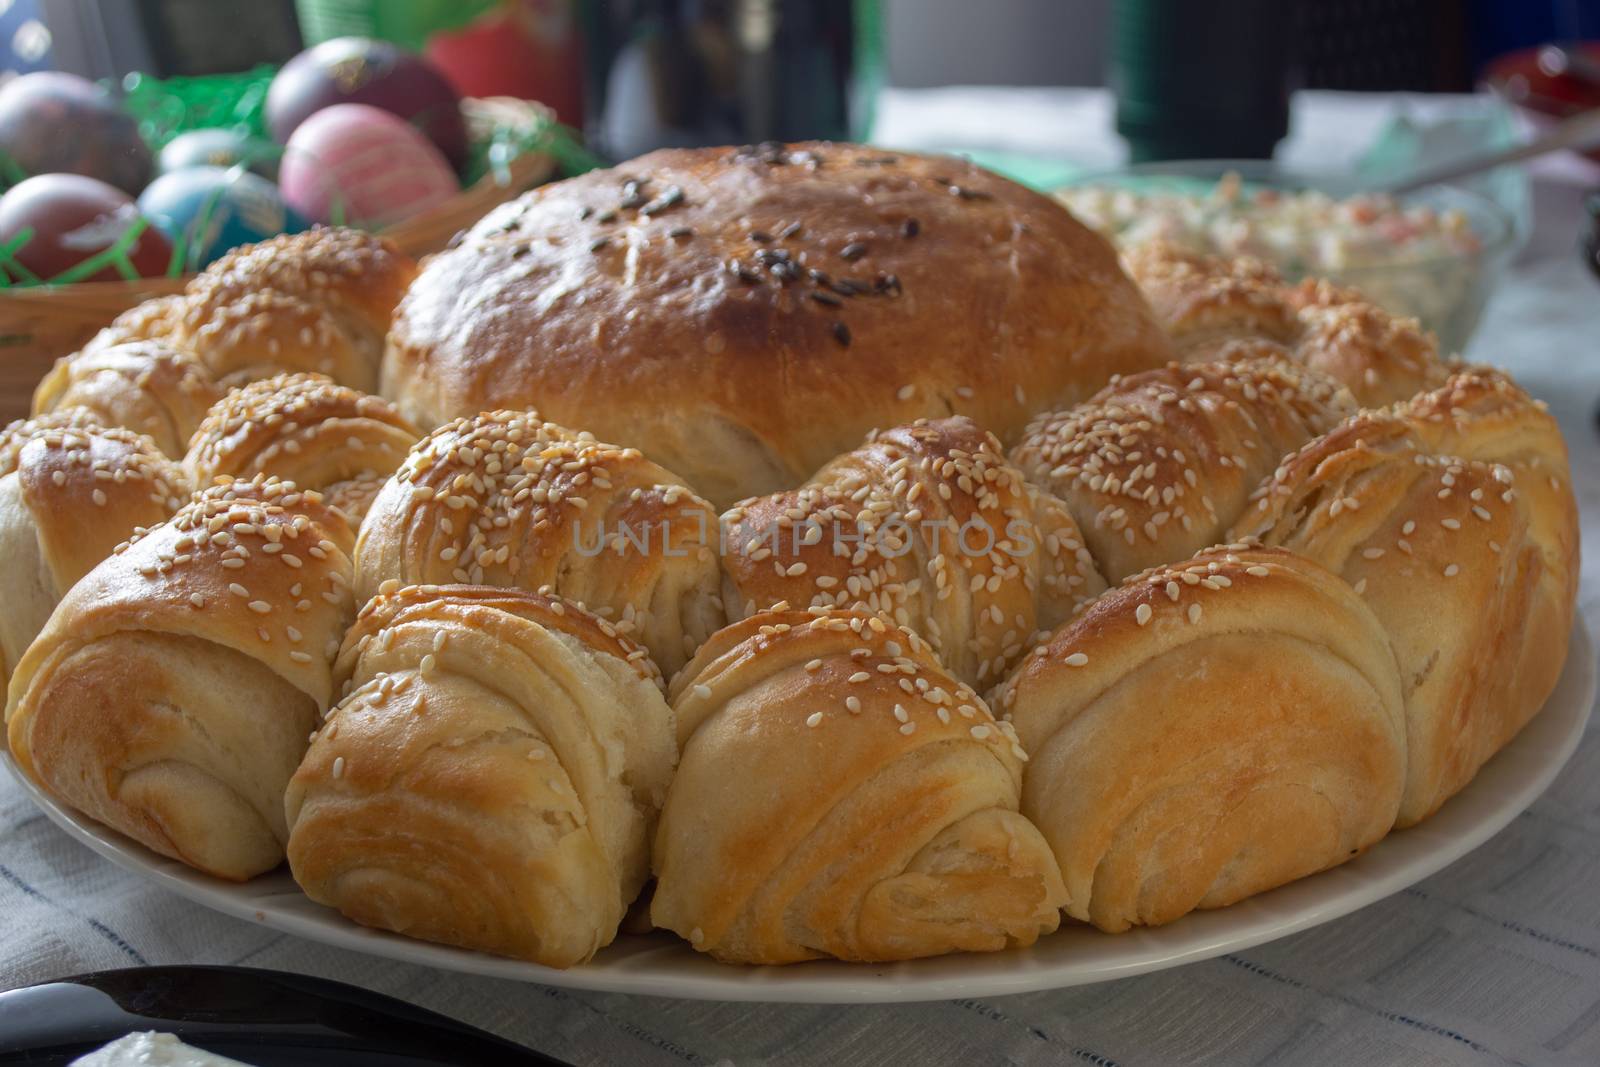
{"points": [[1433, 255]]}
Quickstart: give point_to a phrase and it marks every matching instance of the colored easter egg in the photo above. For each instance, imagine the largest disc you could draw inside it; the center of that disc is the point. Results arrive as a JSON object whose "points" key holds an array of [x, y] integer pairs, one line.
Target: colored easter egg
{"points": [[56, 123], [219, 148], [68, 219], [357, 165], [359, 70], [205, 211]]}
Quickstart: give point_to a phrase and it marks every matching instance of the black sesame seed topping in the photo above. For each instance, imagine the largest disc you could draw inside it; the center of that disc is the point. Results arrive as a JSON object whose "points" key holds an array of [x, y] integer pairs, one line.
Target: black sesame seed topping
{"points": [[784, 271], [791, 230], [848, 287], [853, 251], [742, 272], [606, 216], [818, 276], [669, 199], [941, 179], [841, 333], [827, 298], [888, 284], [760, 237], [910, 228], [680, 232], [583, 215], [769, 256], [969, 194], [599, 243], [520, 251], [633, 194]]}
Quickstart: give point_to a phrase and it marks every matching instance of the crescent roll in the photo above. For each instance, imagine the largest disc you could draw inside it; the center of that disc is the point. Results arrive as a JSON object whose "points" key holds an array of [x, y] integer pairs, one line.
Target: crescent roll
{"points": [[171, 693], [1207, 731], [492, 778], [1208, 302], [147, 386], [1453, 517], [928, 525], [1158, 465], [840, 794], [306, 429], [71, 495], [510, 500]]}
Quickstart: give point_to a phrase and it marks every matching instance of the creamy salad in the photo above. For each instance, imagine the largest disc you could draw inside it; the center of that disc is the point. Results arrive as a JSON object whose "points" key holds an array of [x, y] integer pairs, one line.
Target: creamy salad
{"points": [[152, 1050], [1366, 241]]}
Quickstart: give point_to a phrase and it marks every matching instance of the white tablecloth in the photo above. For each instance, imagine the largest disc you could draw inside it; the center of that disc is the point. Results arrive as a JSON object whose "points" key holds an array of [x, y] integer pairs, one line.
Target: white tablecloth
{"points": [[1495, 960]]}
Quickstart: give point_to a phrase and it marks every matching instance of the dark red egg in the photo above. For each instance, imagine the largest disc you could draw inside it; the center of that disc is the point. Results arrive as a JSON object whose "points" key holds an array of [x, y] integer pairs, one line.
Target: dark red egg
{"points": [[55, 123], [73, 218], [359, 70]]}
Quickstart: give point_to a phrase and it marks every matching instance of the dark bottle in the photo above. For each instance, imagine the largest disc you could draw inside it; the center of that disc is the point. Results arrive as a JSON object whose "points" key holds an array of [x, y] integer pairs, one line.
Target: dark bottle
{"points": [[1201, 80], [663, 73]]}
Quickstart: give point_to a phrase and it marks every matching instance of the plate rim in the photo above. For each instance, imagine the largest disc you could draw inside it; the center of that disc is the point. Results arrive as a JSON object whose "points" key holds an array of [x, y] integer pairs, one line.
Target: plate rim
{"points": [[1532, 759]]}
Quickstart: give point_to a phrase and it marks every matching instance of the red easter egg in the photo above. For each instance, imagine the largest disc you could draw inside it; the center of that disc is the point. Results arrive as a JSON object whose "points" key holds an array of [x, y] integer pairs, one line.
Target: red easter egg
{"points": [[73, 218], [359, 70], [55, 123], [360, 166]]}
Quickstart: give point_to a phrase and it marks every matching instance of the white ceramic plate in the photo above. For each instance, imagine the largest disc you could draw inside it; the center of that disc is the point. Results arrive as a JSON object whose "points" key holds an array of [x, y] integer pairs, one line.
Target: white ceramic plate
{"points": [[661, 965]]}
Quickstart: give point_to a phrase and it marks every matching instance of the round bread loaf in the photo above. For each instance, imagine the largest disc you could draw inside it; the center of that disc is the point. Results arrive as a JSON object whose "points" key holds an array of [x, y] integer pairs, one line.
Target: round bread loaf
{"points": [[744, 315]]}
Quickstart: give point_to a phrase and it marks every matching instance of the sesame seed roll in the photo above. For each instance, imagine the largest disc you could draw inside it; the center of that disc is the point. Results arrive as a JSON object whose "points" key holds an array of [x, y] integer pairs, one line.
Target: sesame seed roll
{"points": [[1207, 302], [1158, 465], [508, 499], [68, 496], [307, 429], [492, 777], [1452, 516], [840, 794], [929, 525], [171, 693], [1208, 730], [313, 301], [147, 386], [743, 315]]}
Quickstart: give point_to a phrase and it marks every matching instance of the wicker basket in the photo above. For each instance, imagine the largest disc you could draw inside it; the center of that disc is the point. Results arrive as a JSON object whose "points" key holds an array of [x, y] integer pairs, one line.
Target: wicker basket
{"points": [[39, 324]]}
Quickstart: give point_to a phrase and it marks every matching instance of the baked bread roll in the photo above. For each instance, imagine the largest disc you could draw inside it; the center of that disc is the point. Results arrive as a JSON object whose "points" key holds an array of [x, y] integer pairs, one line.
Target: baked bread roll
{"points": [[492, 778], [1158, 465], [1207, 731], [313, 301], [928, 525], [147, 386], [17, 434], [170, 695], [305, 429], [67, 500], [840, 794], [743, 315], [1207, 302], [507, 499], [1453, 517]]}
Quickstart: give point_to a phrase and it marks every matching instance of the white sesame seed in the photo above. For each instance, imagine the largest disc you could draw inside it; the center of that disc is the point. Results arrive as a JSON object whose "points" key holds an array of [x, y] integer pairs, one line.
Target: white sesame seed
{"points": [[99, 497], [1451, 571], [238, 590], [853, 705], [300, 657], [905, 392], [1372, 553], [1257, 571], [1194, 613], [1450, 524], [860, 676], [814, 719], [909, 728], [1361, 587], [702, 690], [1077, 659], [980, 731], [338, 766], [260, 607], [1141, 614], [901, 713]]}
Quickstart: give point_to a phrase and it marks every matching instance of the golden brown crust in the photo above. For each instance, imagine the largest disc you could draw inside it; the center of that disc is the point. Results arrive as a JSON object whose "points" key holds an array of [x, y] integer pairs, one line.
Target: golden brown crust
{"points": [[313, 301], [680, 315], [928, 525], [885, 823], [17, 434], [74, 495], [171, 692], [1206, 302], [1158, 465], [1208, 730], [147, 386], [507, 499], [306, 429], [1453, 516], [492, 777]]}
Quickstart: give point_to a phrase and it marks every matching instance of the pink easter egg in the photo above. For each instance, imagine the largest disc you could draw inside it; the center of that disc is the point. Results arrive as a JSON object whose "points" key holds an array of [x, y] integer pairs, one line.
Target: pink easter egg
{"points": [[362, 166]]}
